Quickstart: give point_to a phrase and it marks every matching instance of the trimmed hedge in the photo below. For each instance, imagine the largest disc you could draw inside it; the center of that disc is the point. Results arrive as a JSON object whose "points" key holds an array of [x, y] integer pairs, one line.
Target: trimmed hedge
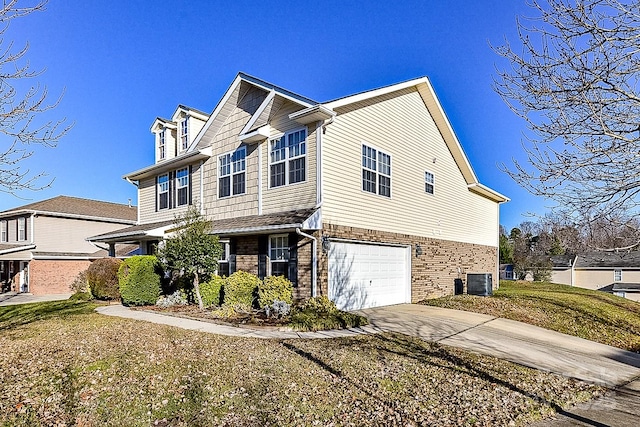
{"points": [[239, 289], [102, 278], [139, 280], [210, 291], [274, 288]]}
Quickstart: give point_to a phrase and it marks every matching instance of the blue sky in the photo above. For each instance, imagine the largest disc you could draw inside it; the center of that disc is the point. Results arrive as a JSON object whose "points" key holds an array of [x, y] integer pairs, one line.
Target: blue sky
{"points": [[123, 63]]}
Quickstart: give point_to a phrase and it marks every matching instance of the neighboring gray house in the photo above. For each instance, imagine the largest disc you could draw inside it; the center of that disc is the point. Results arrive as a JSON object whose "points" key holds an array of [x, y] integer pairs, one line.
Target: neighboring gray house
{"points": [[614, 272], [368, 199]]}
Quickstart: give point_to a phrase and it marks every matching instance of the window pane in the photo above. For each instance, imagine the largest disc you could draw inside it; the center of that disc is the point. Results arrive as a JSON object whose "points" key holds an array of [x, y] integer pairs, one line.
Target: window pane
{"points": [[280, 269], [277, 152], [277, 175], [384, 164], [296, 143], [225, 165], [238, 183], [296, 170], [368, 181], [368, 157], [182, 196], [164, 200], [279, 248], [224, 187], [384, 186], [238, 159]]}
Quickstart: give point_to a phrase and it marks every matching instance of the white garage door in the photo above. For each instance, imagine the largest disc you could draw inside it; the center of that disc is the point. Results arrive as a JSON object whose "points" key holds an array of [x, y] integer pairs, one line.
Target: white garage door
{"points": [[364, 276]]}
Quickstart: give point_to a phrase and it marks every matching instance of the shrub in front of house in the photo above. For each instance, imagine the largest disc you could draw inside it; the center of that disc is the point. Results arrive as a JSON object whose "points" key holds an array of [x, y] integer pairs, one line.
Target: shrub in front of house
{"points": [[274, 288], [102, 278], [80, 284], [139, 280], [175, 299], [210, 291], [320, 313], [239, 289]]}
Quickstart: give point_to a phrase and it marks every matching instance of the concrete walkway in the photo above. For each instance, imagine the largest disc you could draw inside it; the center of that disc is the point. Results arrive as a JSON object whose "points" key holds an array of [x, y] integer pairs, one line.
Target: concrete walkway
{"points": [[13, 298], [215, 328]]}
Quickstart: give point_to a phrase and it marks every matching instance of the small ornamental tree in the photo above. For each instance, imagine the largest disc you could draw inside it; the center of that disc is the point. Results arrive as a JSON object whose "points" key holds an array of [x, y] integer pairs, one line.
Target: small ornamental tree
{"points": [[192, 250]]}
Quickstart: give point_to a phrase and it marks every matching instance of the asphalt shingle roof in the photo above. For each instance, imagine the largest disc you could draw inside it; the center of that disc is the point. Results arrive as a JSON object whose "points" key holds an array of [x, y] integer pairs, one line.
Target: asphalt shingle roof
{"points": [[79, 206]]}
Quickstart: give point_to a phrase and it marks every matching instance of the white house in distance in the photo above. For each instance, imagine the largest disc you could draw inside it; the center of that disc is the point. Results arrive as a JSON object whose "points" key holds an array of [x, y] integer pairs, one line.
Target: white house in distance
{"points": [[368, 199]]}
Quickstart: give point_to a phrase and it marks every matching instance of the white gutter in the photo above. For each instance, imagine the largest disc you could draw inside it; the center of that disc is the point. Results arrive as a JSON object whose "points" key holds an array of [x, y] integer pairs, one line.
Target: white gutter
{"points": [[314, 262]]}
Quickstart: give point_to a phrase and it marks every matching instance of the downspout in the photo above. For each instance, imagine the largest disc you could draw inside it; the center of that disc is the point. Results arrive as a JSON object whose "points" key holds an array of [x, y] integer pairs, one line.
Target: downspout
{"points": [[201, 202], [314, 261], [260, 179], [573, 270]]}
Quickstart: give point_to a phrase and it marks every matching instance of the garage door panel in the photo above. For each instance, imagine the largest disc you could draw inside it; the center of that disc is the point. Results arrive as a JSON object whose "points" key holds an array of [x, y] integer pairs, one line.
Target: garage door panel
{"points": [[365, 275]]}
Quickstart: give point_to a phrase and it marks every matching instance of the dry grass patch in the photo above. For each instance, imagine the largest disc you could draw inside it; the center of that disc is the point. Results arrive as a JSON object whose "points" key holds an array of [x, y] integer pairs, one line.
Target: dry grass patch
{"points": [[92, 370], [593, 315]]}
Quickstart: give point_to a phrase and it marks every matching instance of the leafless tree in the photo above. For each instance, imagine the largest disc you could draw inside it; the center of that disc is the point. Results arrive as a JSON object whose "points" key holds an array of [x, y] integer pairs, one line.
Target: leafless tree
{"points": [[574, 78], [20, 110]]}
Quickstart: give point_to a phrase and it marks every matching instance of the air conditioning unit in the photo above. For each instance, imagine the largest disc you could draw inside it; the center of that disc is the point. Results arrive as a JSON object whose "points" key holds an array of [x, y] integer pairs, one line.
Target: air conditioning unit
{"points": [[480, 284]]}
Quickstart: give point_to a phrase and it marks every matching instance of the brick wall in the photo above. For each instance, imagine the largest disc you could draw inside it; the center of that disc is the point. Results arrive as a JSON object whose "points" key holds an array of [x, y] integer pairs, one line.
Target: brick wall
{"points": [[54, 276], [432, 273], [247, 254]]}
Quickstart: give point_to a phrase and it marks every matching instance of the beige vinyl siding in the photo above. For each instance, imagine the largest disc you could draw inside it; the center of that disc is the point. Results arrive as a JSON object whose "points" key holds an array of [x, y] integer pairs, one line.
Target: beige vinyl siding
{"points": [[54, 234], [147, 198], [562, 277], [227, 140], [300, 195], [400, 125], [596, 279]]}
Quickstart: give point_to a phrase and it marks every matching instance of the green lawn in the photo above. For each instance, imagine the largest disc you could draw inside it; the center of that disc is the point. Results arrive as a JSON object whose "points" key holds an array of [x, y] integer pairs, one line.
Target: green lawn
{"points": [[593, 315], [63, 364]]}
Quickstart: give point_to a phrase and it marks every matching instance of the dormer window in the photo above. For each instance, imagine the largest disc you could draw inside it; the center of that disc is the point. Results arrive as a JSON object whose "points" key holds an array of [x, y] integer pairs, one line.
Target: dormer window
{"points": [[162, 148], [184, 134]]}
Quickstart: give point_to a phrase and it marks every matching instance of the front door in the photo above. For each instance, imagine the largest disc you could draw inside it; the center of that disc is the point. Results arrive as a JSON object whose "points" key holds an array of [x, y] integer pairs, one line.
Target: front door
{"points": [[24, 276]]}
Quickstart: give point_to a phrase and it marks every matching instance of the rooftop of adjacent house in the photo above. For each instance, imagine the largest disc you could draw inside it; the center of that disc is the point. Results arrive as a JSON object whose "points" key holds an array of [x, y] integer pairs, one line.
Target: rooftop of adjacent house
{"points": [[75, 206], [562, 261], [626, 287], [601, 259]]}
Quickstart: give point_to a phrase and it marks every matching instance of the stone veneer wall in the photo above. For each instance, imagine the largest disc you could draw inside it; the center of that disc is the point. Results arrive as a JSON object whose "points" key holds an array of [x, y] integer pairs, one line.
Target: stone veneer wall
{"points": [[432, 273], [54, 276]]}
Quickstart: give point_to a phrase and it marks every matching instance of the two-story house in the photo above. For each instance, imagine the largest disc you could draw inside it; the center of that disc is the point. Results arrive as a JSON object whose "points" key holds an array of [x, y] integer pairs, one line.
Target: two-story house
{"points": [[43, 245], [369, 199]]}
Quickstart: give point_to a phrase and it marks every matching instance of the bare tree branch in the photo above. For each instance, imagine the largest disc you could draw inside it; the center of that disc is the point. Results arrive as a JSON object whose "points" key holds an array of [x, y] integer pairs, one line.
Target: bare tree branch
{"points": [[20, 130]]}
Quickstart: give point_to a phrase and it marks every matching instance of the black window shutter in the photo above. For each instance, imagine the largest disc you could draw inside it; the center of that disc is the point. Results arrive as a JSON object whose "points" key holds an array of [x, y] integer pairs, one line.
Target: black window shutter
{"points": [[190, 190], [263, 247], [293, 259], [172, 176], [232, 256], [156, 194]]}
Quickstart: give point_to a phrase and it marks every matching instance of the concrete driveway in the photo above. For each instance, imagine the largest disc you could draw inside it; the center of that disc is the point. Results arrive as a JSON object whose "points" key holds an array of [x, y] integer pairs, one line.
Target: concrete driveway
{"points": [[510, 340], [534, 347]]}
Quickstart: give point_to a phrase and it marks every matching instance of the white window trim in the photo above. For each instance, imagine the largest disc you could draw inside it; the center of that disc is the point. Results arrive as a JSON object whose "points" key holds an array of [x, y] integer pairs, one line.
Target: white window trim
{"points": [[615, 275], [160, 208], [162, 144], [377, 171], [231, 173], [180, 187], [184, 135], [433, 184], [22, 229], [4, 231], [287, 159], [271, 236]]}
